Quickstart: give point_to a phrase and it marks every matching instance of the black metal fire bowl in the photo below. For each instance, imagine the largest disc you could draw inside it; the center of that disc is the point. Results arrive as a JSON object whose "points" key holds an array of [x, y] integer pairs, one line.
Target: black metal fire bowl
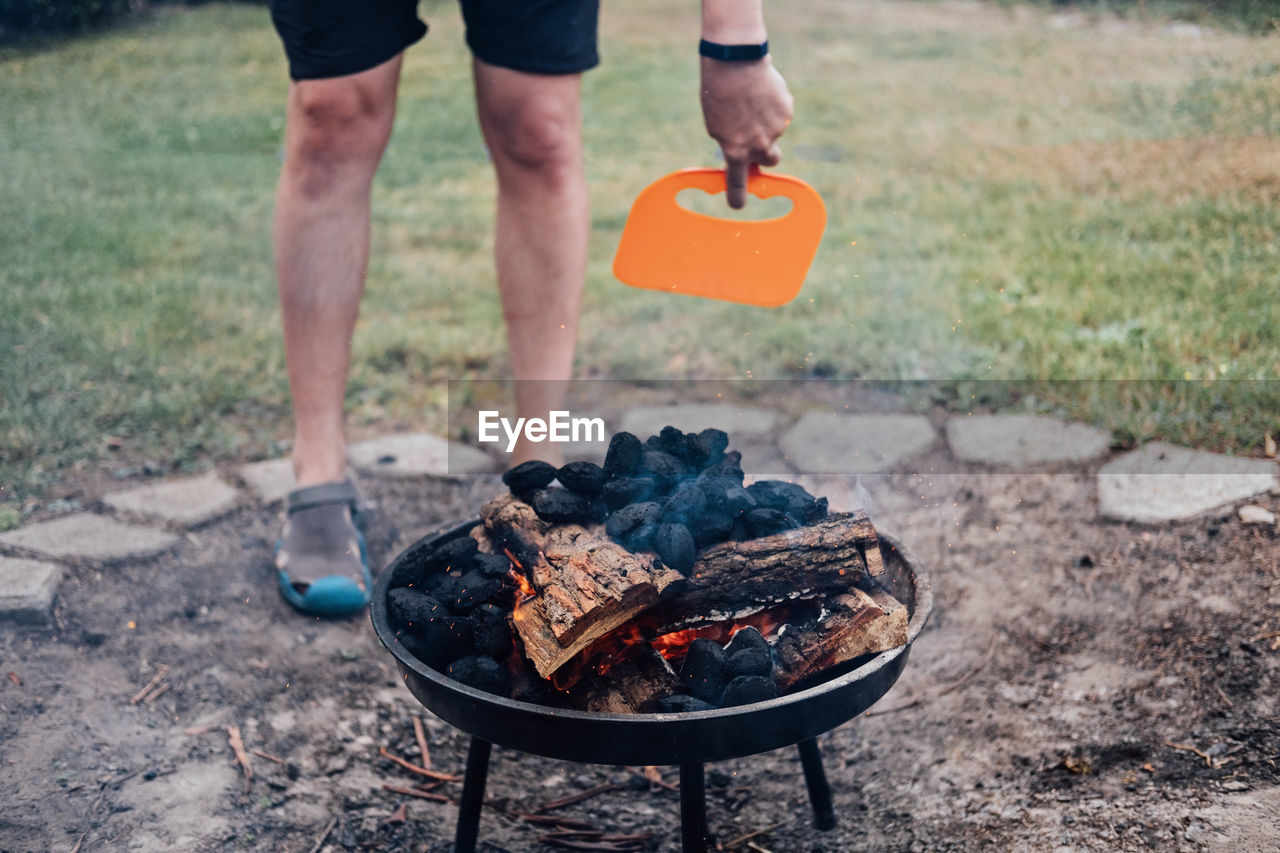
{"points": [[684, 738]]}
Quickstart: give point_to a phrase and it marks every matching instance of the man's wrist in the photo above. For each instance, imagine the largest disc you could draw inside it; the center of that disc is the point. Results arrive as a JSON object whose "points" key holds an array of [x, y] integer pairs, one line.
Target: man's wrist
{"points": [[733, 21]]}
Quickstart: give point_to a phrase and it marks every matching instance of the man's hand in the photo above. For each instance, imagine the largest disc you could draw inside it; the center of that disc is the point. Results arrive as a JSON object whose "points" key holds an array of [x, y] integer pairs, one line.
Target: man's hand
{"points": [[746, 106]]}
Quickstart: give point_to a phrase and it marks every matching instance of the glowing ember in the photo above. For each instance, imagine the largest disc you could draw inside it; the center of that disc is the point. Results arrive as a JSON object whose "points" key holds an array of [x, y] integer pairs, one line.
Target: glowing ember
{"points": [[604, 653]]}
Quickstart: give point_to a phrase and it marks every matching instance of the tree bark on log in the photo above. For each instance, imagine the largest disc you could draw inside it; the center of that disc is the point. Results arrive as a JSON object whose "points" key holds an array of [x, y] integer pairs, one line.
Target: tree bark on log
{"points": [[586, 585], [833, 555], [860, 623]]}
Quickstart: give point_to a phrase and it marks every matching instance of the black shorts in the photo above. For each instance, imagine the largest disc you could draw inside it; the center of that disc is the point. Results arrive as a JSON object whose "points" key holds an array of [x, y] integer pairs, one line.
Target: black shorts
{"points": [[331, 38]]}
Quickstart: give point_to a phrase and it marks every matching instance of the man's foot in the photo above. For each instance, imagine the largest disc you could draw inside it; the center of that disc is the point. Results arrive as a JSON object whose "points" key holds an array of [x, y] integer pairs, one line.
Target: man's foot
{"points": [[321, 557]]}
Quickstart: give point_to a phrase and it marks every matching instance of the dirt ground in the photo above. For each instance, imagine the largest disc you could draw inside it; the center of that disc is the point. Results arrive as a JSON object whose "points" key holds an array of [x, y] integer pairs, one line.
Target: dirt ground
{"points": [[1082, 685]]}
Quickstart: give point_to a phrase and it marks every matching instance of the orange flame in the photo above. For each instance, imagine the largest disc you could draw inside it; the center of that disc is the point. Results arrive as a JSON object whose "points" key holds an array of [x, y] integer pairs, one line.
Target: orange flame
{"points": [[526, 589], [517, 575], [674, 645]]}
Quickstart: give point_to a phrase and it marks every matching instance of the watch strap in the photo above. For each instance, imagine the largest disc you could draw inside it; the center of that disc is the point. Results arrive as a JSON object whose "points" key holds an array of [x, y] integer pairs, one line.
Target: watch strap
{"points": [[733, 52]]}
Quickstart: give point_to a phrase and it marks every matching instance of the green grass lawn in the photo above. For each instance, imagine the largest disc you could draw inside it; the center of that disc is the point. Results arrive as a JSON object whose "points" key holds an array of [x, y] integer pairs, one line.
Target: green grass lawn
{"points": [[1008, 198]]}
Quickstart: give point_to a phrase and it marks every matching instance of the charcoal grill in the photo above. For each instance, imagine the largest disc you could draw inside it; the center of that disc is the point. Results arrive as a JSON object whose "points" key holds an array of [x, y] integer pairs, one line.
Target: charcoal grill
{"points": [[688, 740]]}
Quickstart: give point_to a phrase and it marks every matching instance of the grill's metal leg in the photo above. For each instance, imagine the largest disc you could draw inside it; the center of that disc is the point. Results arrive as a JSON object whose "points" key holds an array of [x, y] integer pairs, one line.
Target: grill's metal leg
{"points": [[464, 841], [693, 809], [824, 813]]}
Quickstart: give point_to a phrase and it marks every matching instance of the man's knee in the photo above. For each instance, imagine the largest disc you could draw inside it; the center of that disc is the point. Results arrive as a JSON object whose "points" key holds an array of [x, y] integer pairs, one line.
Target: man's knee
{"points": [[336, 124], [539, 138]]}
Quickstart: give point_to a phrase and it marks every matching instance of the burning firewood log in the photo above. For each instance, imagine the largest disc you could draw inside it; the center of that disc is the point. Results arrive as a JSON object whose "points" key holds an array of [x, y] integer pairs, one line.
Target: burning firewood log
{"points": [[637, 681], [832, 555], [584, 585], [858, 623]]}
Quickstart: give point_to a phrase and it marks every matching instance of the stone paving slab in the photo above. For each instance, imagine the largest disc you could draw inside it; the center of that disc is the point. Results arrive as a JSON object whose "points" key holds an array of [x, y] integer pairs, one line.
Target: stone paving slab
{"points": [[418, 454], [822, 443], [27, 588], [1161, 482], [90, 537], [190, 501], [270, 479], [1022, 441], [738, 421]]}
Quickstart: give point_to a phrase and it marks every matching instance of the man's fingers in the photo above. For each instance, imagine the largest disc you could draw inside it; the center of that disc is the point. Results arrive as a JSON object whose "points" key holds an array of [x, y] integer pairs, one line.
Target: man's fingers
{"points": [[735, 178], [772, 157]]}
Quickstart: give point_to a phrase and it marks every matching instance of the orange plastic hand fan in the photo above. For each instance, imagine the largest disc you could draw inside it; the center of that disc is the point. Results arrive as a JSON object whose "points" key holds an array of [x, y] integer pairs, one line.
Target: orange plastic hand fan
{"points": [[668, 247]]}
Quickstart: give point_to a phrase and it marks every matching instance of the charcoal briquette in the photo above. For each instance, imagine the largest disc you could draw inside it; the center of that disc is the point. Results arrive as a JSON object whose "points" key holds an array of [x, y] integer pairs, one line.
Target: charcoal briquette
{"points": [[408, 607], [766, 522], [703, 670], [491, 631], [421, 648], [440, 641], [693, 453], [746, 689], [725, 492], [627, 490], [528, 476], [737, 500], [789, 498], [413, 568], [714, 486], [457, 553], [674, 544], [710, 528], [743, 662], [747, 638], [472, 589], [598, 510], [714, 442], [685, 447], [560, 506], [493, 565], [682, 703], [632, 517], [443, 587], [585, 478], [665, 469], [623, 455], [730, 464], [685, 504], [670, 437], [481, 672], [640, 538]]}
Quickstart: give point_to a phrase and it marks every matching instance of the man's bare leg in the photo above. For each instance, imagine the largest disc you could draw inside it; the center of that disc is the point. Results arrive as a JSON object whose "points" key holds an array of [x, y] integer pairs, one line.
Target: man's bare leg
{"points": [[532, 124], [336, 130]]}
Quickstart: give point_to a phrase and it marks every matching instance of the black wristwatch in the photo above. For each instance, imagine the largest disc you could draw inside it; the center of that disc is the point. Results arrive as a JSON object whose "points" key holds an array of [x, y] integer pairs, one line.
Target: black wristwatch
{"points": [[733, 52]]}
